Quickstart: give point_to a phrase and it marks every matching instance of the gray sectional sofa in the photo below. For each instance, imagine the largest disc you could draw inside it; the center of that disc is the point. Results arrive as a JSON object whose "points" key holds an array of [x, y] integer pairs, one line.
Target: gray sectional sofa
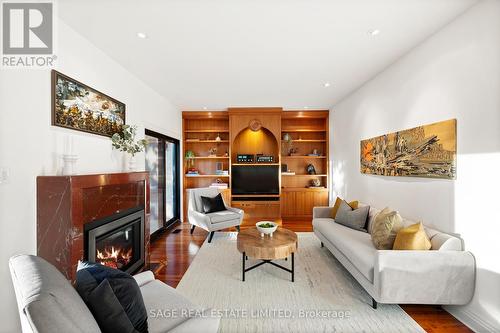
{"points": [[48, 303], [443, 275]]}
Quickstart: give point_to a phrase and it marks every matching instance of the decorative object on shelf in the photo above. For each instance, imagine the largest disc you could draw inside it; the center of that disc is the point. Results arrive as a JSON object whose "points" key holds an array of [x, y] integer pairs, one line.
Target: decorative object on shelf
{"points": [[315, 183], [125, 141], [266, 228], [424, 151], [69, 157], [255, 125], [79, 107], [219, 168], [293, 151], [69, 164], [314, 152], [212, 152], [189, 157], [260, 158], [311, 170], [287, 138], [284, 168], [218, 138], [226, 154]]}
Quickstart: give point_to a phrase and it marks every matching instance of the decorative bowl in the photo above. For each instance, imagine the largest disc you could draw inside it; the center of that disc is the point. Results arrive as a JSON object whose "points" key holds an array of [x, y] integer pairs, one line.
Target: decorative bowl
{"points": [[266, 227]]}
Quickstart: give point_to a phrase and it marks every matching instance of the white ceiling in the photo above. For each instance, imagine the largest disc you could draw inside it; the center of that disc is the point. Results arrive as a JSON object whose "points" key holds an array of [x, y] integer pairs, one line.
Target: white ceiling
{"points": [[220, 53]]}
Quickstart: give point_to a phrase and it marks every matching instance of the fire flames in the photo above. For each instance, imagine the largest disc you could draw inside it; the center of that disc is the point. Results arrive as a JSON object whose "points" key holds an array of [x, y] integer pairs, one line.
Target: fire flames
{"points": [[114, 257]]}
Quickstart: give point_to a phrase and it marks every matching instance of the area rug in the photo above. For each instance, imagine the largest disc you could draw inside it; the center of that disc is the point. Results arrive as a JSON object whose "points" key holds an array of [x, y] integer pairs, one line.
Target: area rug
{"points": [[323, 298]]}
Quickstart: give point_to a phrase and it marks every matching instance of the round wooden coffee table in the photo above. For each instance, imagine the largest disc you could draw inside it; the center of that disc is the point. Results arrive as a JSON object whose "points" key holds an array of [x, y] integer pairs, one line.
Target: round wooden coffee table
{"points": [[282, 244]]}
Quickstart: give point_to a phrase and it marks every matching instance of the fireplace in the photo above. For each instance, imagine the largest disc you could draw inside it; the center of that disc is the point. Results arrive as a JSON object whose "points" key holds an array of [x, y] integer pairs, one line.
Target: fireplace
{"points": [[117, 241]]}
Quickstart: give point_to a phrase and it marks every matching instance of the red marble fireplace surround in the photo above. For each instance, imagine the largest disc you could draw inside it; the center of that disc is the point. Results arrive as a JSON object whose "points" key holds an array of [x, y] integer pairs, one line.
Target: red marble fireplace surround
{"points": [[66, 203]]}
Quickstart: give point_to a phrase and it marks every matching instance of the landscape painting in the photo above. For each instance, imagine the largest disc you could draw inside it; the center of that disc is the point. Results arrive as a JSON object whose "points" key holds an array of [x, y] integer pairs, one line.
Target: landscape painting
{"points": [[424, 151], [79, 107]]}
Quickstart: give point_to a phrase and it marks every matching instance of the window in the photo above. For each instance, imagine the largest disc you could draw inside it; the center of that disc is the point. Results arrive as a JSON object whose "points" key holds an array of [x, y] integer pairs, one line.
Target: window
{"points": [[162, 162]]}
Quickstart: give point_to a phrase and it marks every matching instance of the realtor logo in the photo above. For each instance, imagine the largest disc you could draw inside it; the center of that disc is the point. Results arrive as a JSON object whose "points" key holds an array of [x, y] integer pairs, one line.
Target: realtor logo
{"points": [[27, 29]]}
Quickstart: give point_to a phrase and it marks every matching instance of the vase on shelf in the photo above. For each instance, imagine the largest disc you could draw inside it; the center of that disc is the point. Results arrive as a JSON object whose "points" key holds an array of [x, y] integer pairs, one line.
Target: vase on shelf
{"points": [[69, 164], [132, 163]]}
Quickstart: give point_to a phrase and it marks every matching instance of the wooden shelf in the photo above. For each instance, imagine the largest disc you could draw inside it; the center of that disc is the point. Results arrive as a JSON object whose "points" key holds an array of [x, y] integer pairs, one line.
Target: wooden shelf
{"points": [[304, 157], [207, 158], [206, 131], [310, 189], [253, 164], [304, 141], [283, 130], [284, 175], [255, 196], [206, 141], [207, 176]]}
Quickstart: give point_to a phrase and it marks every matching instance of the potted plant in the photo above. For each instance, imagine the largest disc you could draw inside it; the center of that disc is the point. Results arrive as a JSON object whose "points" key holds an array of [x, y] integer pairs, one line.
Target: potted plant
{"points": [[189, 160], [125, 141]]}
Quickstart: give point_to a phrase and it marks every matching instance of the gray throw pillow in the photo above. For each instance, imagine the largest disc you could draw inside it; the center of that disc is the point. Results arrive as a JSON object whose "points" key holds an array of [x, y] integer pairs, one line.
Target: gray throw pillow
{"points": [[354, 219]]}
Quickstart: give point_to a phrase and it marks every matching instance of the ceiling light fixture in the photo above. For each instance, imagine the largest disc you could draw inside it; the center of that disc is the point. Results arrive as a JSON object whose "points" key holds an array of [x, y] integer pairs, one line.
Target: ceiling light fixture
{"points": [[374, 32], [327, 84], [205, 108], [306, 107], [142, 35]]}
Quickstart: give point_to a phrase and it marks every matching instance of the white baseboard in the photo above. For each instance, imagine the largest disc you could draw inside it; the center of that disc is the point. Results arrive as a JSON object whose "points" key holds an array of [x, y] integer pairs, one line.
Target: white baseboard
{"points": [[471, 320]]}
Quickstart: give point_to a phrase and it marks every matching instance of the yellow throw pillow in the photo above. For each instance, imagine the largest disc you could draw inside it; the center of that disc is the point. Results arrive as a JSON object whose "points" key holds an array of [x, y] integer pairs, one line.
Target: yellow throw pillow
{"points": [[338, 201], [412, 238], [354, 204], [386, 225], [336, 206]]}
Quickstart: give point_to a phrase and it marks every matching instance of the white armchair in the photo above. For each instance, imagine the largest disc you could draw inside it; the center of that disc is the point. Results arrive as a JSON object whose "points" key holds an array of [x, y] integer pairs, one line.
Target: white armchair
{"points": [[211, 222]]}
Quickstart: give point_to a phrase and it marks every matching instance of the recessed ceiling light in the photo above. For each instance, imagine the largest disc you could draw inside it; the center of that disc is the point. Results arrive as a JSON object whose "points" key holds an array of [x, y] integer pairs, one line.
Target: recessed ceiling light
{"points": [[142, 35], [326, 84], [374, 32]]}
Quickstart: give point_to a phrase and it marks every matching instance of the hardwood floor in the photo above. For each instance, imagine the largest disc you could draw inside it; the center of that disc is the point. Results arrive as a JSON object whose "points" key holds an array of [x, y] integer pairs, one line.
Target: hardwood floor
{"points": [[178, 249]]}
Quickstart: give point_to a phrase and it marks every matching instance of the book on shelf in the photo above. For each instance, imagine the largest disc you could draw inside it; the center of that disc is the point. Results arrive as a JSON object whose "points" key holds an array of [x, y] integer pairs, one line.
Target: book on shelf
{"points": [[289, 173], [220, 186], [222, 172]]}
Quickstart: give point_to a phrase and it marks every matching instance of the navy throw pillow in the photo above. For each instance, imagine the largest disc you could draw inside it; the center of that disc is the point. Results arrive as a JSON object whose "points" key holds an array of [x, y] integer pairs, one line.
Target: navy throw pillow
{"points": [[113, 297]]}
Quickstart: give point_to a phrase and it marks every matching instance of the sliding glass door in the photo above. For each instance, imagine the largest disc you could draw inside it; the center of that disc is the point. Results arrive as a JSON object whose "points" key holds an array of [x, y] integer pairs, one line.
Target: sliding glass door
{"points": [[162, 162]]}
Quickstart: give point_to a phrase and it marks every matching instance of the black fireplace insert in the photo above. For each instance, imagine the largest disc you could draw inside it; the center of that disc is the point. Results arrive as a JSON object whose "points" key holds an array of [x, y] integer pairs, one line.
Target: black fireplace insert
{"points": [[117, 241]]}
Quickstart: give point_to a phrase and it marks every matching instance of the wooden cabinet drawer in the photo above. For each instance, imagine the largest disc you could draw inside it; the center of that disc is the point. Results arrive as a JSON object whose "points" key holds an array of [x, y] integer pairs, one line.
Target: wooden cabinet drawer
{"points": [[300, 203], [259, 209]]}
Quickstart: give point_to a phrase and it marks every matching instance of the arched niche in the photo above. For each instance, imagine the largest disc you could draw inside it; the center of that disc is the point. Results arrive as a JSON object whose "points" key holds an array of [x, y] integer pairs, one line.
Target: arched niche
{"points": [[262, 141]]}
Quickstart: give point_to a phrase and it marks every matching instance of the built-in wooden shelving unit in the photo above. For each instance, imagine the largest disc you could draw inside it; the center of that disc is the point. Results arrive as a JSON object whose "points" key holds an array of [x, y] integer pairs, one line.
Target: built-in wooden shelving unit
{"points": [[200, 132], [309, 133]]}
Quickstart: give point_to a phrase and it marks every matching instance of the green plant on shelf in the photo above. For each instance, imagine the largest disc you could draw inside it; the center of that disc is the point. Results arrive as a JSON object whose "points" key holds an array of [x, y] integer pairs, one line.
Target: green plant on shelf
{"points": [[189, 156]]}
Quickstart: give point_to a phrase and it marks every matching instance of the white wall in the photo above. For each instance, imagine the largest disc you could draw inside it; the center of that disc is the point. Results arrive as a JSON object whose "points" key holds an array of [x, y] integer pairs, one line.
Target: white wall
{"points": [[453, 74], [29, 146]]}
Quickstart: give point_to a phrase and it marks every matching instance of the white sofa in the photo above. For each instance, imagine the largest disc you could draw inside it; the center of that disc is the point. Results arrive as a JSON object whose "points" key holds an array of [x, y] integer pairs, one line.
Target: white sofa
{"points": [[48, 303], [443, 275]]}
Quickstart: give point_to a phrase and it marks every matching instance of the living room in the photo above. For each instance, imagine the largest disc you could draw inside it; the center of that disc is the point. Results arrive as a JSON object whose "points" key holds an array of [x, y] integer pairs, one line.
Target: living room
{"points": [[354, 145]]}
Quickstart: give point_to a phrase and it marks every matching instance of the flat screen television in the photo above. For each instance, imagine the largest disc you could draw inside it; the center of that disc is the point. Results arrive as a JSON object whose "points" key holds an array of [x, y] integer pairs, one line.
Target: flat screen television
{"points": [[255, 179]]}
